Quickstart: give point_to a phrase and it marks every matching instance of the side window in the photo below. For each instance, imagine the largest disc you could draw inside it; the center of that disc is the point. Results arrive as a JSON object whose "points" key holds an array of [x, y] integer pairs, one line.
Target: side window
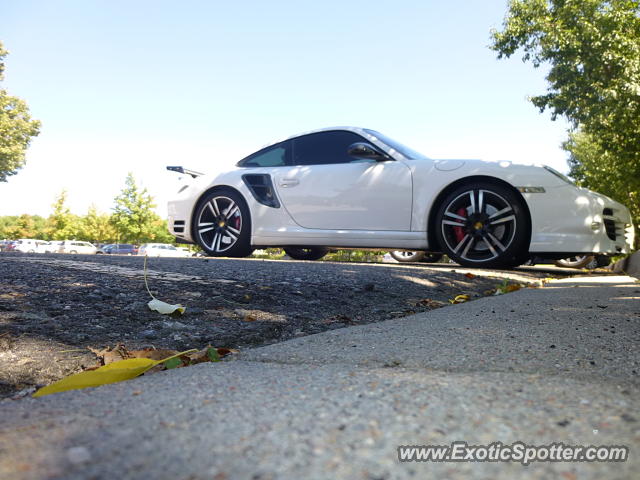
{"points": [[324, 148], [273, 156]]}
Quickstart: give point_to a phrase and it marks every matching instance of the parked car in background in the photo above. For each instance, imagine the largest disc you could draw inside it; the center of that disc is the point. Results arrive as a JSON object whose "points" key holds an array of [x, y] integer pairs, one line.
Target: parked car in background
{"points": [[118, 249], [50, 247], [76, 246], [161, 250], [6, 245], [27, 245]]}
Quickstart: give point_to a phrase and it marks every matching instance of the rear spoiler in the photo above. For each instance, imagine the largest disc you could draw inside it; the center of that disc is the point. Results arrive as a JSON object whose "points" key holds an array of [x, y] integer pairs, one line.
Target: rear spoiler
{"points": [[185, 171]]}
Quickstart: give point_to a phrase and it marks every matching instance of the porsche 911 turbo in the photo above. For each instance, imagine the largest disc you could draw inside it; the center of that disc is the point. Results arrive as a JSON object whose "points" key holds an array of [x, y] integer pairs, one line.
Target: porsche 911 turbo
{"points": [[352, 187]]}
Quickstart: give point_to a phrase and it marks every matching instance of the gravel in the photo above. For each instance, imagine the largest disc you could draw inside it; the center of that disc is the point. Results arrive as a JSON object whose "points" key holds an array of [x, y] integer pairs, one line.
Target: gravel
{"points": [[52, 307]]}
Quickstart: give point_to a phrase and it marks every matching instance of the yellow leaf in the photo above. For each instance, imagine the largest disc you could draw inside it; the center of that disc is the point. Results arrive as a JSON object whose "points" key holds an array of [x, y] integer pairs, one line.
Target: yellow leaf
{"points": [[460, 299], [165, 308], [111, 373]]}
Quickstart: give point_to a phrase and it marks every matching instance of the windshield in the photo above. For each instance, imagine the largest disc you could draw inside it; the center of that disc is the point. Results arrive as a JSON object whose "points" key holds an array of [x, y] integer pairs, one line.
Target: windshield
{"points": [[397, 146]]}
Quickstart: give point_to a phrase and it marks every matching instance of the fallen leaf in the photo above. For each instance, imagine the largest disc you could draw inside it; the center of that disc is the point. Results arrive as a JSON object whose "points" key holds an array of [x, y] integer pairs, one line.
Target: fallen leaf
{"points": [[112, 373], [213, 354], [152, 353], [173, 363], [460, 299], [427, 302], [469, 275], [158, 305], [110, 355], [165, 308], [207, 355]]}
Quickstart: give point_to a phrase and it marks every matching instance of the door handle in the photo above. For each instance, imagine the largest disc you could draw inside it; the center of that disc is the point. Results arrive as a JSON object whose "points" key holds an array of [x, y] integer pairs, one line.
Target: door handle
{"points": [[289, 182]]}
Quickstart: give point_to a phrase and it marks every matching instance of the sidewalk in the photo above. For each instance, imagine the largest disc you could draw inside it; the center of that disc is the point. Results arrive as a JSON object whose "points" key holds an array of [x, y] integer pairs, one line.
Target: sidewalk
{"points": [[541, 366]]}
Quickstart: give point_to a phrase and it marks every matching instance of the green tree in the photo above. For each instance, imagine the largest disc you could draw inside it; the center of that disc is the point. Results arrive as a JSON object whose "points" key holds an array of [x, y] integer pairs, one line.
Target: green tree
{"points": [[97, 227], [593, 50], [6, 225], [23, 226], [134, 217], [16, 129], [62, 224]]}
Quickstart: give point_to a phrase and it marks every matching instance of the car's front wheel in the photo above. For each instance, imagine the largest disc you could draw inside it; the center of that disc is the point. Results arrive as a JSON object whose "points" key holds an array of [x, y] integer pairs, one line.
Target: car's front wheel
{"points": [[222, 224], [306, 253], [483, 225]]}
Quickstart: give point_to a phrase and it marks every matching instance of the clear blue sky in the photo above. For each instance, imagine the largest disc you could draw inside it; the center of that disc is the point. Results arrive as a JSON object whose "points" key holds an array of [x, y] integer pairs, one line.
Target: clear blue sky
{"points": [[137, 85]]}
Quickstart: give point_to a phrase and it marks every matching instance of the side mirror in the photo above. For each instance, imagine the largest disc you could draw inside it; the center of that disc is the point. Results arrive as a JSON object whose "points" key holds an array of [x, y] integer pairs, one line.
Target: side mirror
{"points": [[366, 151]]}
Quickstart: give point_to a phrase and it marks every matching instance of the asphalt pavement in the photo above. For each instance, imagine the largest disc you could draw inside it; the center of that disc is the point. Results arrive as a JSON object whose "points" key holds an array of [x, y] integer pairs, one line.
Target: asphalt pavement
{"points": [[539, 366]]}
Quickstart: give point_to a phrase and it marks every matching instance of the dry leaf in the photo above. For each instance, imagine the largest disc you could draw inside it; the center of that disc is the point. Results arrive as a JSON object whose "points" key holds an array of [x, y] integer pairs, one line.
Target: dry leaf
{"points": [[152, 353], [158, 305], [110, 355], [460, 299], [165, 308], [427, 302], [469, 275]]}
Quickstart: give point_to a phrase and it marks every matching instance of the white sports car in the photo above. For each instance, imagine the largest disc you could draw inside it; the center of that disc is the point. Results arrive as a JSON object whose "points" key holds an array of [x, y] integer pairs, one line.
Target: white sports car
{"points": [[356, 188]]}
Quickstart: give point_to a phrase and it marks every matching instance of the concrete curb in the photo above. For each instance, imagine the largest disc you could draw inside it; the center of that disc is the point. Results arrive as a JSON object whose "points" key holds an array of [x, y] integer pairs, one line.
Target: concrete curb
{"points": [[629, 265]]}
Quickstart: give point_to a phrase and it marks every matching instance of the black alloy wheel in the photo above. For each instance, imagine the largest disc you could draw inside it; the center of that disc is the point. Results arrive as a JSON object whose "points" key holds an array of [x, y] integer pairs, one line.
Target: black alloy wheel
{"points": [[222, 224], [484, 226]]}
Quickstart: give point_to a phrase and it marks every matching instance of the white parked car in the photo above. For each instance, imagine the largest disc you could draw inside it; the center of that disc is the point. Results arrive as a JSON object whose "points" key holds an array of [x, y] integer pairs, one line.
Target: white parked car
{"points": [[354, 187], [50, 247], [76, 246], [27, 245], [161, 250]]}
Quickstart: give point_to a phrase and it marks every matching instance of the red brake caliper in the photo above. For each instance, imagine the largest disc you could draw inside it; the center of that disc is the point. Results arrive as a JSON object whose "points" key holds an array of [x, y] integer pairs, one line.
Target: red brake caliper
{"points": [[457, 231]]}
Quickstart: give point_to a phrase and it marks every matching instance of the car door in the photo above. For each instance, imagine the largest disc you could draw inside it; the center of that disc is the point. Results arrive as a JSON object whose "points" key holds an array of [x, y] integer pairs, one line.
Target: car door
{"points": [[327, 189]]}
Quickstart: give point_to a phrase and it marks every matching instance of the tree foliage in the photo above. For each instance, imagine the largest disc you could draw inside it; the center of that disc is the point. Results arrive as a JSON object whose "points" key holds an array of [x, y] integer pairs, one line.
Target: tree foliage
{"points": [[96, 227], [16, 129], [62, 224], [593, 50], [134, 218], [134, 207]]}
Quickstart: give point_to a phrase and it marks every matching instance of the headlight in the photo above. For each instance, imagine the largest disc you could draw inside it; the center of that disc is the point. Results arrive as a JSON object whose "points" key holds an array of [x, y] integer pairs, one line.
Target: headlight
{"points": [[562, 177]]}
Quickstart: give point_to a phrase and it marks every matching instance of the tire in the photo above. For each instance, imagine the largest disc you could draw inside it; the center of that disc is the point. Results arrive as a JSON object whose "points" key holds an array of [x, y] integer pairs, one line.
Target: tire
{"points": [[222, 224], [403, 256], [577, 261], [483, 225], [306, 253], [432, 257]]}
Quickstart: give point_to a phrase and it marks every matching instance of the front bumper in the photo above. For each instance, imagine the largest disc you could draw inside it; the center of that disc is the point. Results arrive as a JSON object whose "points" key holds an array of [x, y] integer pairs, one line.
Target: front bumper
{"points": [[576, 220]]}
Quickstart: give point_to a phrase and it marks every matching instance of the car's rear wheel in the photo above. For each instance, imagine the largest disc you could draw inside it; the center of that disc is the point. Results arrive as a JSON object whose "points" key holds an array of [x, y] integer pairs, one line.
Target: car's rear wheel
{"points": [[222, 224], [483, 225], [578, 261], [403, 256], [306, 253]]}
